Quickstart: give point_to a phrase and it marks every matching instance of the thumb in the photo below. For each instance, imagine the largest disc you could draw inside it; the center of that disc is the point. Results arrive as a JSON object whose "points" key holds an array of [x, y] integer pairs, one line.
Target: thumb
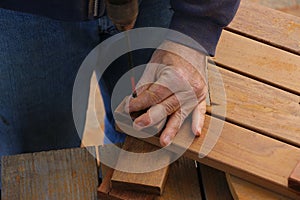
{"points": [[198, 118]]}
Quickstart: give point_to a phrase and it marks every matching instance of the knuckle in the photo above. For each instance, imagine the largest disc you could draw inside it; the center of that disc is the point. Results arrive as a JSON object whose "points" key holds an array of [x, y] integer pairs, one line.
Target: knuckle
{"points": [[154, 97]]}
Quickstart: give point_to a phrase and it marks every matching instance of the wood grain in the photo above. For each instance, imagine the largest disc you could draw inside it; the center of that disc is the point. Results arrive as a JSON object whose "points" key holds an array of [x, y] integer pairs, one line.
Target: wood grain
{"points": [[149, 182], [259, 61], [294, 179], [63, 174], [241, 152], [214, 184], [267, 25], [182, 183], [257, 106], [244, 190]]}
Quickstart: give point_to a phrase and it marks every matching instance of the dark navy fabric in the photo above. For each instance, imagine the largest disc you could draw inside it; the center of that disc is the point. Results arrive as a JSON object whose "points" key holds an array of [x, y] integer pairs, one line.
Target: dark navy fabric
{"points": [[203, 20]]}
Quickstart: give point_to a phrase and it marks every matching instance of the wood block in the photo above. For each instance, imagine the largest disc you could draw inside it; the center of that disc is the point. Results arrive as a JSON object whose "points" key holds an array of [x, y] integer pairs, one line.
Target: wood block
{"points": [[63, 174], [267, 25], [244, 190], [150, 182], [294, 179], [244, 153], [105, 191], [182, 184], [214, 184]]}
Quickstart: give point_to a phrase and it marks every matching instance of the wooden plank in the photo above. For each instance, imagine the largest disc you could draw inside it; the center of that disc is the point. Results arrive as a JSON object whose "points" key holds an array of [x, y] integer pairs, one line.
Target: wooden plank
{"points": [[149, 182], [62, 174], [241, 152], [294, 179], [183, 181], [257, 106], [244, 190], [267, 25], [259, 61], [214, 184], [182, 184]]}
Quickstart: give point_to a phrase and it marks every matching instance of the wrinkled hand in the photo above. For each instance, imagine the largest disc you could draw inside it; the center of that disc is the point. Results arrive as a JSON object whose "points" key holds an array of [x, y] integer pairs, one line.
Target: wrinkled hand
{"points": [[173, 85]]}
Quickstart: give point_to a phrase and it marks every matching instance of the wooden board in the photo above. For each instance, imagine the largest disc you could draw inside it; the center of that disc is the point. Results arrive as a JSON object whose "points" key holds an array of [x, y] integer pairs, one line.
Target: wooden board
{"points": [[214, 184], [294, 179], [257, 106], [150, 182], [259, 61], [244, 153], [63, 174], [244, 190], [105, 191], [182, 183], [267, 25]]}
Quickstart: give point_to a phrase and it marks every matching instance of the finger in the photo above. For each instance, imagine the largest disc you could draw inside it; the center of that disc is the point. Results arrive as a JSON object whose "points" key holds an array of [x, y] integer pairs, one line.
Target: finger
{"points": [[157, 113], [153, 95], [171, 129], [198, 118]]}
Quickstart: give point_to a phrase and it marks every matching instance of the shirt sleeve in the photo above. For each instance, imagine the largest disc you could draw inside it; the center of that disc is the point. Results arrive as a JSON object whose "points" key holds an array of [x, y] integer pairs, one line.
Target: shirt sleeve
{"points": [[203, 20]]}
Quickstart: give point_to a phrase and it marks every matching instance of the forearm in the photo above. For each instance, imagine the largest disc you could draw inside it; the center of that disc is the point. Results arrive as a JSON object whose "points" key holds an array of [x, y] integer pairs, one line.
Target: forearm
{"points": [[203, 20]]}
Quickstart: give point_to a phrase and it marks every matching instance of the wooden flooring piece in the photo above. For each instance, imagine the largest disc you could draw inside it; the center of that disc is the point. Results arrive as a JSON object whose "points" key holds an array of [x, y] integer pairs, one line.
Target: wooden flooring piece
{"points": [[149, 182], [294, 179], [182, 184], [267, 25], [257, 106], [243, 190], [243, 153], [63, 174], [260, 61], [214, 184]]}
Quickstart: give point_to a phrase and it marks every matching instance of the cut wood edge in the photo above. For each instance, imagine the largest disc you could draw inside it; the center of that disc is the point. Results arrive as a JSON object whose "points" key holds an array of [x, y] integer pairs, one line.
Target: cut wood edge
{"points": [[244, 190], [294, 178]]}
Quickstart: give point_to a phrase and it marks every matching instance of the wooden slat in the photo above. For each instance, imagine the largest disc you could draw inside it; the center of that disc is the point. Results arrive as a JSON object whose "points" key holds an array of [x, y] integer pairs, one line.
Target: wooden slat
{"points": [[244, 153], [63, 174], [267, 25], [150, 182], [243, 190], [260, 61], [214, 184], [182, 183], [257, 106]]}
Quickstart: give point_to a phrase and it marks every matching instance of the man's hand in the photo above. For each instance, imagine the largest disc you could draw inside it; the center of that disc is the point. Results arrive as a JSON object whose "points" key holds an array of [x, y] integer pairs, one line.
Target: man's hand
{"points": [[173, 85]]}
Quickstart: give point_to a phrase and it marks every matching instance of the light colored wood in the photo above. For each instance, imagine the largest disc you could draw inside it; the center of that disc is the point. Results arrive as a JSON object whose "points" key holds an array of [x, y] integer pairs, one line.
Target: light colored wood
{"points": [[267, 25], [63, 174], [244, 190], [182, 184], [294, 179], [149, 182], [260, 61], [257, 106], [244, 153], [214, 184]]}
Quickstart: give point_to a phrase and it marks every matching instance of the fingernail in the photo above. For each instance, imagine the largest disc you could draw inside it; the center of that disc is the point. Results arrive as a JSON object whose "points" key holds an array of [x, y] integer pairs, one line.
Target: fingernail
{"points": [[167, 140], [138, 125]]}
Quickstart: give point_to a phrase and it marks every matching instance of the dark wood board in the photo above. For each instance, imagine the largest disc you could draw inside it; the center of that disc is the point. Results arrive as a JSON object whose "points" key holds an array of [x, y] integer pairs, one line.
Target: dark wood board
{"points": [[62, 174]]}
